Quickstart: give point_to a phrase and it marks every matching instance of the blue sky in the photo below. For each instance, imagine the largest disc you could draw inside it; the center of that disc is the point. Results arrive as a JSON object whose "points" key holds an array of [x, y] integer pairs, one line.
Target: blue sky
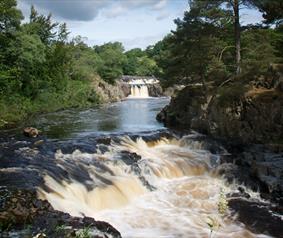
{"points": [[135, 23]]}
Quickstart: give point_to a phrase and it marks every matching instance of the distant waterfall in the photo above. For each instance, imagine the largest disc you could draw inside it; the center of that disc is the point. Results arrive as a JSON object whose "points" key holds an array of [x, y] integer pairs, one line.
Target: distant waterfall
{"points": [[139, 91]]}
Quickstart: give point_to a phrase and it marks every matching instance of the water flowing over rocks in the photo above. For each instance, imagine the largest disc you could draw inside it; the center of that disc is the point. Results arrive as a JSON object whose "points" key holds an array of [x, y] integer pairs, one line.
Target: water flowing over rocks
{"points": [[143, 179], [142, 86], [67, 182]]}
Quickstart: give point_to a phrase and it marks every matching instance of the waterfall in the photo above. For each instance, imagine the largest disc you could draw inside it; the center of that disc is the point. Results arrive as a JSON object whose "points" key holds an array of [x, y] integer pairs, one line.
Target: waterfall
{"points": [[139, 91]]}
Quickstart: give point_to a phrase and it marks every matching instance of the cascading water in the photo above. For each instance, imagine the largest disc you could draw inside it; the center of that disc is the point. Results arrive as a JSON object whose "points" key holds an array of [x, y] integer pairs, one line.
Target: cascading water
{"points": [[139, 91], [146, 189]]}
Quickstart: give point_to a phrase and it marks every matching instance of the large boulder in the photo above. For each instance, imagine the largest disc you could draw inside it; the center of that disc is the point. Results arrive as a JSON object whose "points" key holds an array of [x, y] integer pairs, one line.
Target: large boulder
{"points": [[184, 109], [256, 118], [246, 112], [154, 90], [111, 92], [24, 215]]}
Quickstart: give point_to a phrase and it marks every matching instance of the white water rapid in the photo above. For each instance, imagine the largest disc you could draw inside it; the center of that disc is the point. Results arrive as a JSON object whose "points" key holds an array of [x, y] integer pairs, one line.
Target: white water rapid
{"points": [[164, 188]]}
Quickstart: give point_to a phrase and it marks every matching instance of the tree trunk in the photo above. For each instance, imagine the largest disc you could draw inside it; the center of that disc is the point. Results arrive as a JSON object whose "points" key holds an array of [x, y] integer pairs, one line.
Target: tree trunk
{"points": [[237, 35]]}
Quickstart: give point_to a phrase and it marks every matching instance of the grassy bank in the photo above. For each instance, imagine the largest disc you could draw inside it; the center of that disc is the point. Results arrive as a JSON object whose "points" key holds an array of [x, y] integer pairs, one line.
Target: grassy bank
{"points": [[76, 94]]}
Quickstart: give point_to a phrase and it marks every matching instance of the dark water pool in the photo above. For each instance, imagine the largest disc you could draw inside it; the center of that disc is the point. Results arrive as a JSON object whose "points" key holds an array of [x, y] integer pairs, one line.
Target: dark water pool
{"points": [[133, 115]]}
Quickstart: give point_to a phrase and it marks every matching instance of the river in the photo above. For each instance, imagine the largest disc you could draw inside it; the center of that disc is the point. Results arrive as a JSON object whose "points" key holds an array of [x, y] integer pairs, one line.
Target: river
{"points": [[116, 163]]}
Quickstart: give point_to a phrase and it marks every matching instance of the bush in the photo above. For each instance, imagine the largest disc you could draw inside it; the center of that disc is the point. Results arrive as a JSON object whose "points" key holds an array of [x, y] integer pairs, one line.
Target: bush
{"points": [[231, 93], [76, 94]]}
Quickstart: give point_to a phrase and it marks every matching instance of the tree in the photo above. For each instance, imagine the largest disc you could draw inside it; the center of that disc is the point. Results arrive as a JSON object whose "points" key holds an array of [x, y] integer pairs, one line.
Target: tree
{"points": [[139, 62], [197, 41], [258, 50], [28, 54], [10, 19], [132, 62], [272, 10], [63, 33], [113, 60], [85, 62], [10, 16], [160, 53], [42, 26]]}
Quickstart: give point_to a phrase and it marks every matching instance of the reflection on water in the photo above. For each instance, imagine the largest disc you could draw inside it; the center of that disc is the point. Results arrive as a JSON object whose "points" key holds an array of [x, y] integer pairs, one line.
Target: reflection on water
{"points": [[126, 116]]}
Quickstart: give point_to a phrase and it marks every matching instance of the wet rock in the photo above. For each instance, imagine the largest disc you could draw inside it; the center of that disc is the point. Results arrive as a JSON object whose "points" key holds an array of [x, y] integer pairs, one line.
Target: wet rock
{"points": [[257, 167], [154, 90], [20, 209], [38, 143], [30, 132], [183, 108], [173, 90], [129, 158], [104, 140], [258, 217]]}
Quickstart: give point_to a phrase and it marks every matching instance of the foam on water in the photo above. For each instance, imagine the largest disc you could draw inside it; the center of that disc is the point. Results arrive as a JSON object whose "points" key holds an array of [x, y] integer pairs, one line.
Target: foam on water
{"points": [[186, 194]]}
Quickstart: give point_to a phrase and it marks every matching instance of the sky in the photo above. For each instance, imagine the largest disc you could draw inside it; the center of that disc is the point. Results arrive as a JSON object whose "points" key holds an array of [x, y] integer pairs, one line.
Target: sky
{"points": [[135, 23]]}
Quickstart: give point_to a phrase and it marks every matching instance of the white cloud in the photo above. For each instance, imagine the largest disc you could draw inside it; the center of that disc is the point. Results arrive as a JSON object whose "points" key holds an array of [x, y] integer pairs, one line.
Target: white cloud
{"points": [[160, 5], [87, 10], [114, 11], [135, 23]]}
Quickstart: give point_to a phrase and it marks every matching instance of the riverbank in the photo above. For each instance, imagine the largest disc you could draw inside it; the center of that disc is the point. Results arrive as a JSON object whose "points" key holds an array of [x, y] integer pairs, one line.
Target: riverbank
{"points": [[76, 94]]}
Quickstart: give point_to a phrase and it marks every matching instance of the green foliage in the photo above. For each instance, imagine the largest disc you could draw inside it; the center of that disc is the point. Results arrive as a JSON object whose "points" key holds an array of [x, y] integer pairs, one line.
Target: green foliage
{"points": [[197, 43], [43, 27], [272, 10], [202, 49], [86, 63], [10, 16], [257, 51], [60, 230], [84, 233], [231, 93], [28, 53], [140, 63], [113, 61], [39, 70]]}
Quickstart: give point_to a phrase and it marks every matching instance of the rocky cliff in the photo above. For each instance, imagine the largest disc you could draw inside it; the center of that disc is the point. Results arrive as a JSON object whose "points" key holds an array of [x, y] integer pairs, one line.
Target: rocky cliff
{"points": [[248, 113], [111, 93], [155, 90]]}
